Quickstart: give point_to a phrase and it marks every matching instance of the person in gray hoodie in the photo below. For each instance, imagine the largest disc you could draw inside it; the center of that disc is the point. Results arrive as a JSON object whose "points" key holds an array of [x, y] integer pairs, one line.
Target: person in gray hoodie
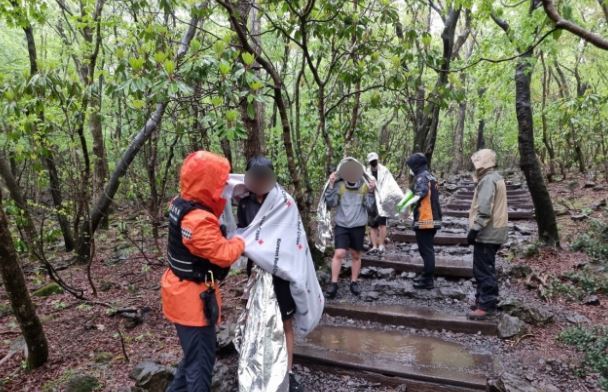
{"points": [[352, 201]]}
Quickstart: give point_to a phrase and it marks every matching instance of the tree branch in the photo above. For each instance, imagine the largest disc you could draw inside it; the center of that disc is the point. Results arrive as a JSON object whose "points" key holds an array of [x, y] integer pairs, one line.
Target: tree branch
{"points": [[561, 23]]}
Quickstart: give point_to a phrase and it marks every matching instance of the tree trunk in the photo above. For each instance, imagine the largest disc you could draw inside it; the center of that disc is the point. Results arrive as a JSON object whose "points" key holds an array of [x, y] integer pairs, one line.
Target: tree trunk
{"points": [[16, 289], [545, 215], [49, 160], [457, 151], [546, 136]]}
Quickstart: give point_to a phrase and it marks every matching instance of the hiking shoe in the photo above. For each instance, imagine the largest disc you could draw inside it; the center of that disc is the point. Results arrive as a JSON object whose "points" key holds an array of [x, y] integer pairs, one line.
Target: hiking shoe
{"points": [[372, 252], [355, 289], [294, 385], [419, 278], [424, 284], [480, 314], [380, 251], [332, 291]]}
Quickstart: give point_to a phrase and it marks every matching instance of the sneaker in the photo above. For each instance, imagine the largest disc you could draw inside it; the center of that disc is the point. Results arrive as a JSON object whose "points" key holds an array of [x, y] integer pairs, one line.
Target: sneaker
{"points": [[424, 284], [481, 314], [355, 289], [380, 251], [332, 291], [419, 278], [294, 385], [372, 252]]}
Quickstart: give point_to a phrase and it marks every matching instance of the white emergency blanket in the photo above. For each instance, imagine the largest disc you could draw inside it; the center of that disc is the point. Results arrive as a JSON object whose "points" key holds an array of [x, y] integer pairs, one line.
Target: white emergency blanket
{"points": [[260, 339], [276, 241], [388, 193]]}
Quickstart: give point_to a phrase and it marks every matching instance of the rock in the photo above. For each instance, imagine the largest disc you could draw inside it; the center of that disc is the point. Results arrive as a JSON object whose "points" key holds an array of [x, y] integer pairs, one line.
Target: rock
{"points": [[592, 300], [411, 275], [386, 273], [508, 382], [368, 272], [323, 277], [453, 292], [522, 230], [589, 184], [224, 377], [576, 318], [561, 211], [530, 314], [152, 376], [404, 288], [510, 326], [48, 290], [81, 383], [370, 296]]}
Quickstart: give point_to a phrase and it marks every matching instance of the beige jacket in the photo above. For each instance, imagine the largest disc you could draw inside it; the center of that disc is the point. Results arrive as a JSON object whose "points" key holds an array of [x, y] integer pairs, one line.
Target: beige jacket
{"points": [[489, 213]]}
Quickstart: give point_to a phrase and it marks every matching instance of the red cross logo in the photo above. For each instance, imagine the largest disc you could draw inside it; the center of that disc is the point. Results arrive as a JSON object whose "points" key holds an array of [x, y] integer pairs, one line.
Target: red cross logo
{"points": [[260, 242]]}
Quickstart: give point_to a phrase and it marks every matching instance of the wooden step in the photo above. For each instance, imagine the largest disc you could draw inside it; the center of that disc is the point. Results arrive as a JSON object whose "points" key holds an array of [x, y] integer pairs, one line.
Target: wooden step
{"points": [[440, 238], [396, 354], [455, 267], [412, 316]]}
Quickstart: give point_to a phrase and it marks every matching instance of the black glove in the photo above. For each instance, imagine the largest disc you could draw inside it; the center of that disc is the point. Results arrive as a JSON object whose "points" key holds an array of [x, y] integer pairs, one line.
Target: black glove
{"points": [[471, 236]]}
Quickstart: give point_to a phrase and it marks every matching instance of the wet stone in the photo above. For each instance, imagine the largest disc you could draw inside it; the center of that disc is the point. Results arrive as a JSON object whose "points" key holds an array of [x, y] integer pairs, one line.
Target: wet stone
{"points": [[152, 376], [592, 300], [510, 326], [386, 273], [368, 272], [577, 319], [81, 383], [370, 296], [531, 314], [508, 382], [452, 292]]}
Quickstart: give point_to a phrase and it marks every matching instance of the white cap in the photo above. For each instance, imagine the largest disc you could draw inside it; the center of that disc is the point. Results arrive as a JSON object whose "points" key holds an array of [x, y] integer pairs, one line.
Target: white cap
{"points": [[372, 156]]}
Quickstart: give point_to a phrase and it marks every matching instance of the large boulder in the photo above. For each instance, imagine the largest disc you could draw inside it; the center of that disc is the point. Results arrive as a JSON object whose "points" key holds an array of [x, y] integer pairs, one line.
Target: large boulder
{"points": [[152, 376], [509, 327], [531, 314], [48, 290]]}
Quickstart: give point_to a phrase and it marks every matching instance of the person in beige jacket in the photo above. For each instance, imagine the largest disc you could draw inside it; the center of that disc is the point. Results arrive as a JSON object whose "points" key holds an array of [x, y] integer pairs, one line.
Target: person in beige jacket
{"points": [[488, 229]]}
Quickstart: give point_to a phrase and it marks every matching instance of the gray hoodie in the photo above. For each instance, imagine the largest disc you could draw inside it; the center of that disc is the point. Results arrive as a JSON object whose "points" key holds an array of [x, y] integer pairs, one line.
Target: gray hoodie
{"points": [[352, 203]]}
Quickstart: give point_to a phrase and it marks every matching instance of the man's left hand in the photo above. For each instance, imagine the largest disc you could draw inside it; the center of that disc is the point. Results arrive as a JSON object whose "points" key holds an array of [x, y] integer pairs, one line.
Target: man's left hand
{"points": [[372, 185], [472, 236]]}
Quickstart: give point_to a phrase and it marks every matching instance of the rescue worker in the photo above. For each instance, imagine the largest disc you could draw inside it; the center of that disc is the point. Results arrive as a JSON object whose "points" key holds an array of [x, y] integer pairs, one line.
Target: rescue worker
{"points": [[353, 201], [378, 223], [260, 179], [427, 216], [488, 229], [199, 256]]}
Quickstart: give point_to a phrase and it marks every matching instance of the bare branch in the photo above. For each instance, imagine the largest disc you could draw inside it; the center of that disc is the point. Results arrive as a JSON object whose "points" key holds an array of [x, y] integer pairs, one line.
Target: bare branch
{"points": [[561, 23]]}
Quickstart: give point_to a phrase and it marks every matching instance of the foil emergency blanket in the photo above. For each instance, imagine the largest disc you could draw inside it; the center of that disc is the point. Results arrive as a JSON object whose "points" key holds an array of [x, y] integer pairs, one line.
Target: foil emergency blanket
{"points": [[388, 193], [260, 339], [276, 241]]}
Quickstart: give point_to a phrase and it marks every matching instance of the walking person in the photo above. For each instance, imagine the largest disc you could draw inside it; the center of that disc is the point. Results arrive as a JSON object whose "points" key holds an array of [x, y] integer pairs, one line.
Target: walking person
{"points": [[488, 229], [426, 216], [353, 199], [260, 179], [199, 256], [384, 180]]}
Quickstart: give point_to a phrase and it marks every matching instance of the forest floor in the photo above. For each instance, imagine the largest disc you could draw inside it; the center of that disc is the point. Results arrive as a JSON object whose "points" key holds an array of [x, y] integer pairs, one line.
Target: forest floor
{"points": [[86, 337]]}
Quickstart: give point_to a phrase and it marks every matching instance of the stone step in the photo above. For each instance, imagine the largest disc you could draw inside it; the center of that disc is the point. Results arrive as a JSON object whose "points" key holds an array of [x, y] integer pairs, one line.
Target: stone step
{"points": [[412, 316], [459, 205], [396, 354], [516, 192], [513, 215], [440, 238], [444, 266]]}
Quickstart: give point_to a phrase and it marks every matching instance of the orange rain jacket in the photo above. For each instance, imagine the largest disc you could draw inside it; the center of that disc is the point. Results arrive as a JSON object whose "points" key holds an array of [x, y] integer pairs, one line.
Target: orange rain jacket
{"points": [[202, 180]]}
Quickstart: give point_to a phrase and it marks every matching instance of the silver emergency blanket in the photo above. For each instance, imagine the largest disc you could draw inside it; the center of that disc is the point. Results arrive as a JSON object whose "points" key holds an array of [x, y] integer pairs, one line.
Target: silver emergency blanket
{"points": [[388, 193], [260, 340], [276, 241]]}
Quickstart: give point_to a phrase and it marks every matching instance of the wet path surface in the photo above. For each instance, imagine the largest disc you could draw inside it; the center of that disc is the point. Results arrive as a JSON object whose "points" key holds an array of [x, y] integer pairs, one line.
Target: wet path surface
{"points": [[397, 354]]}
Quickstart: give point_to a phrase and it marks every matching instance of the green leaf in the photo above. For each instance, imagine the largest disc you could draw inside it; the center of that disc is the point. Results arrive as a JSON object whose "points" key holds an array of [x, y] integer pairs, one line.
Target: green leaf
{"points": [[231, 115], [225, 68], [217, 101], [248, 58], [169, 66]]}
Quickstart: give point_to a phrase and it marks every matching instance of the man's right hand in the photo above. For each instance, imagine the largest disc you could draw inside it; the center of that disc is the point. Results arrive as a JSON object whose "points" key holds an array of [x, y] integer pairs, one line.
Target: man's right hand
{"points": [[332, 179]]}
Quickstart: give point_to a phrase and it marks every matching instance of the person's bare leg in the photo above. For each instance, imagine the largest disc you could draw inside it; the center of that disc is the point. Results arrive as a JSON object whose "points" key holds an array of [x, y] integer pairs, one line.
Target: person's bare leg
{"points": [[289, 339], [373, 234], [356, 265], [336, 264], [381, 236]]}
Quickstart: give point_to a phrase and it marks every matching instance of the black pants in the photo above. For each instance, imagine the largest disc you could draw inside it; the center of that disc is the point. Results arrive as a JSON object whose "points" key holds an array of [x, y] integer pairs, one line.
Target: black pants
{"points": [[425, 239], [484, 271], [195, 371]]}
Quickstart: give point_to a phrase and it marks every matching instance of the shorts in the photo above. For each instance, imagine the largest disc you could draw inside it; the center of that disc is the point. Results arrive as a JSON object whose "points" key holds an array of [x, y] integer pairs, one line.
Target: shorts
{"points": [[349, 237], [376, 222], [287, 305]]}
